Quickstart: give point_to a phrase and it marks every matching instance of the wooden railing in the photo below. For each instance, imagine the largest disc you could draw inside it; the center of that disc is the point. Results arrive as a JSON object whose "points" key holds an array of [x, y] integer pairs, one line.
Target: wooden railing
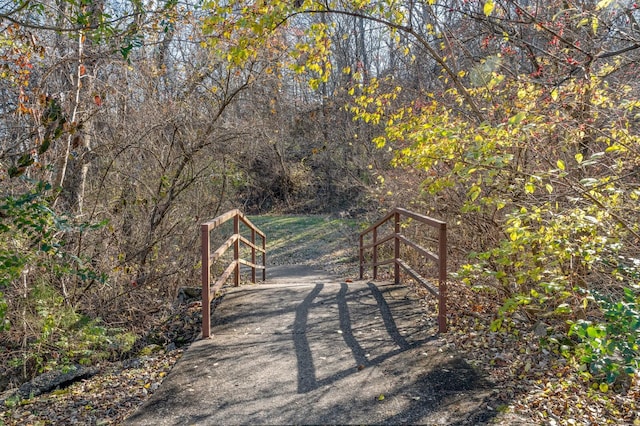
{"points": [[440, 258], [208, 258]]}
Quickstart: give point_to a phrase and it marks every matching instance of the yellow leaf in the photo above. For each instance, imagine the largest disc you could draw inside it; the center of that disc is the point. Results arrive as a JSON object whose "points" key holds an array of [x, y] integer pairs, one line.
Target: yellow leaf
{"points": [[579, 158], [488, 7], [474, 192], [603, 3], [554, 94], [529, 188], [560, 164], [603, 387]]}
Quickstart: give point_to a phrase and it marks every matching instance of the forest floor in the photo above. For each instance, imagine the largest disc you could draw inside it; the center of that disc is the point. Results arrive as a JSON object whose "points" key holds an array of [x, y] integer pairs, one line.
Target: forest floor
{"points": [[532, 384]]}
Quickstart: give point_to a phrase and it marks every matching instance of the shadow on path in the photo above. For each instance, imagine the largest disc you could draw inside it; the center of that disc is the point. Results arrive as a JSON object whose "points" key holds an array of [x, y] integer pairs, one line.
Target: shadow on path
{"points": [[319, 353]]}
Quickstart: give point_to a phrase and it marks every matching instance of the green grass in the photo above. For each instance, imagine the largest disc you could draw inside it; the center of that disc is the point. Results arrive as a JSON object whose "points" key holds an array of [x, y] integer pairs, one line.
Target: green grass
{"points": [[303, 239]]}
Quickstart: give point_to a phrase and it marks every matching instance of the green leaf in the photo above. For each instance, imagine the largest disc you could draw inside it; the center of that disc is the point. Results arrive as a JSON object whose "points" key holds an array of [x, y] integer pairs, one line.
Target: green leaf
{"points": [[474, 192], [516, 119], [25, 160], [496, 325], [44, 146], [594, 332], [14, 171]]}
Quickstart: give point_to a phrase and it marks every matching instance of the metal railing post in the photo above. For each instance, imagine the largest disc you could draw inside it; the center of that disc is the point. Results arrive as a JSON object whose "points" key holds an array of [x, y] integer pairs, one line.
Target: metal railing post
{"points": [[442, 284], [206, 271]]}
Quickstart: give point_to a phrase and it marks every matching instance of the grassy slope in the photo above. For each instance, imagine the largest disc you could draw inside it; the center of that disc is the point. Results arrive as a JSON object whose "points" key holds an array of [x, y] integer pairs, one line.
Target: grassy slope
{"points": [[323, 241]]}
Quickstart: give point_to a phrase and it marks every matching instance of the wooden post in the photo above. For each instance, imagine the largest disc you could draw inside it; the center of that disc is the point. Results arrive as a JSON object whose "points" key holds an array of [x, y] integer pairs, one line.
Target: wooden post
{"points": [[236, 250], [396, 249], [442, 284], [375, 253], [253, 255], [206, 271], [264, 258], [361, 256]]}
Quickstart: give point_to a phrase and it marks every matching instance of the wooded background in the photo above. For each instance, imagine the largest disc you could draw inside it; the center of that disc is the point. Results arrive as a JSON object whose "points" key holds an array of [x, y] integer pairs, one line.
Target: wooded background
{"points": [[124, 124]]}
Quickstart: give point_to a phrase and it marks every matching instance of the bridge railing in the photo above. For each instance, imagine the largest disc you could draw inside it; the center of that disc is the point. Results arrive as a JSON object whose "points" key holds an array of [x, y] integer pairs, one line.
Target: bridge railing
{"points": [[375, 241], [208, 258]]}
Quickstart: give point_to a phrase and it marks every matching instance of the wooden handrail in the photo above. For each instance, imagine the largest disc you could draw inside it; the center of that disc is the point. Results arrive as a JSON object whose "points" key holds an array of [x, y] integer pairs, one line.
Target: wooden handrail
{"points": [[440, 258], [234, 241]]}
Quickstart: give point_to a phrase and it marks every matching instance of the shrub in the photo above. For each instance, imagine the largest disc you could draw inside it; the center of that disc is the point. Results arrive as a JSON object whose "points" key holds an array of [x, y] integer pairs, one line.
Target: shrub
{"points": [[610, 346]]}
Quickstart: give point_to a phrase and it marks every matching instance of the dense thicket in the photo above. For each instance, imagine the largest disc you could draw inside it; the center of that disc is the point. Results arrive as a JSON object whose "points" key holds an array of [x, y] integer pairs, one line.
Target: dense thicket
{"points": [[126, 124]]}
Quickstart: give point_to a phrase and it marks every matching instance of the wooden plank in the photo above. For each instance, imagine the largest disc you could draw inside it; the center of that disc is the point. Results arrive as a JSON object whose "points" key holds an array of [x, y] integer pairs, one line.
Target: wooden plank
{"points": [[422, 218], [404, 212], [247, 222], [223, 278], [380, 241], [250, 244], [416, 276], [250, 264], [419, 248], [223, 248], [378, 223], [221, 219]]}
